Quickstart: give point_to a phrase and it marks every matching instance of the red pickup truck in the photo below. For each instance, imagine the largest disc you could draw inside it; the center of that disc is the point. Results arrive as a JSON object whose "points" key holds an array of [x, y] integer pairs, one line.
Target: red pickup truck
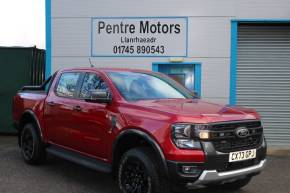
{"points": [[150, 132]]}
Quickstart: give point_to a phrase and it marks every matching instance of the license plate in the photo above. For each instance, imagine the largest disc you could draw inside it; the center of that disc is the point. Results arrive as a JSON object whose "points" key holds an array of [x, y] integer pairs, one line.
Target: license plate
{"points": [[242, 155]]}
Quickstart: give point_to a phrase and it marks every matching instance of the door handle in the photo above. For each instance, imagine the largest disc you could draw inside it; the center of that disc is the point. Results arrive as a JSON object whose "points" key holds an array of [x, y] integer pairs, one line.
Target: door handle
{"points": [[77, 108], [51, 103]]}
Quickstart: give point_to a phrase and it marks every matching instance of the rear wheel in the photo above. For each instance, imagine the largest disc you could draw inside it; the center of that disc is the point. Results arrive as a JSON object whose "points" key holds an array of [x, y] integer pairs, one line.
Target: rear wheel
{"points": [[139, 172], [32, 147]]}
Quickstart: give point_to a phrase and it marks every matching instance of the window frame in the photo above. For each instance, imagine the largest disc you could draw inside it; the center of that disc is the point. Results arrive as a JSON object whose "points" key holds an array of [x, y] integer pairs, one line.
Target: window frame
{"points": [[82, 82], [77, 84]]}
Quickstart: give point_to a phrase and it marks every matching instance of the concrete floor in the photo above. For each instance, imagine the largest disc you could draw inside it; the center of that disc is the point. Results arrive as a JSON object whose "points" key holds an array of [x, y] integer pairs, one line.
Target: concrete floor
{"points": [[58, 176]]}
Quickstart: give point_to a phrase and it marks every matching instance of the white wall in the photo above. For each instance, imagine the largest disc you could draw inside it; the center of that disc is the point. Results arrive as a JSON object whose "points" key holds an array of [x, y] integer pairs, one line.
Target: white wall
{"points": [[209, 33]]}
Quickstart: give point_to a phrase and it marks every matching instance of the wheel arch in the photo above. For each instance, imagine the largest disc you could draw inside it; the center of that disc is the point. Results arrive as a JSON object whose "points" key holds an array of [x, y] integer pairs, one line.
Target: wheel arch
{"points": [[28, 116], [127, 139]]}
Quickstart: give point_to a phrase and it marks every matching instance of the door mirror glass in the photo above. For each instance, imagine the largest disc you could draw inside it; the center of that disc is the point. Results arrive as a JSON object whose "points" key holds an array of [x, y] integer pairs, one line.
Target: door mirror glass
{"points": [[99, 96]]}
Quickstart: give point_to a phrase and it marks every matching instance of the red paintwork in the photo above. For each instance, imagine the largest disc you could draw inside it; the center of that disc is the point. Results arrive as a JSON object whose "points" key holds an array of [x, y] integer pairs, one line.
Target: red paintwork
{"points": [[89, 131]]}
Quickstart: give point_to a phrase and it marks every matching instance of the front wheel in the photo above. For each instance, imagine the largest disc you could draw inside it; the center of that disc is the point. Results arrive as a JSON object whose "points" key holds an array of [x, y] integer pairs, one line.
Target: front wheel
{"points": [[32, 147], [139, 172]]}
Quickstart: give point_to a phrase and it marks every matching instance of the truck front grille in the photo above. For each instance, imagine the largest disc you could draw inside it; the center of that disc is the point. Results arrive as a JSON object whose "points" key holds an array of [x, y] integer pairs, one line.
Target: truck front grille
{"points": [[225, 140]]}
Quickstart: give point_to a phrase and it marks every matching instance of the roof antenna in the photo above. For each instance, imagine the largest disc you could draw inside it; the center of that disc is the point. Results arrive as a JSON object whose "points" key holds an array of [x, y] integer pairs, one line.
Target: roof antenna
{"points": [[91, 63]]}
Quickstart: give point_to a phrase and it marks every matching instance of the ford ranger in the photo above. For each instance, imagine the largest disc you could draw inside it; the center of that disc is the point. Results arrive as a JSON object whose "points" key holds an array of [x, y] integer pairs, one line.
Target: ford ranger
{"points": [[152, 134]]}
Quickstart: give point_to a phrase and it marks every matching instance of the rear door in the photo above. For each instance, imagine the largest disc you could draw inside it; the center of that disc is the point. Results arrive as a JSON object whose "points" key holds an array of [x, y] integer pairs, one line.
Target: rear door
{"points": [[60, 106]]}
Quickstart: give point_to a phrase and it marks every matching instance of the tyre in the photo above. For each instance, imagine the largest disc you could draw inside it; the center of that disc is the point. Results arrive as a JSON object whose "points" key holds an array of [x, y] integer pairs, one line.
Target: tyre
{"points": [[235, 185], [140, 172], [32, 147]]}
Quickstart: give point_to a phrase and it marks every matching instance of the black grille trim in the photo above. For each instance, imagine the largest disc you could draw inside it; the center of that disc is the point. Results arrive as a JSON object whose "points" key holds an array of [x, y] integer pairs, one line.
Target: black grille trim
{"points": [[224, 139]]}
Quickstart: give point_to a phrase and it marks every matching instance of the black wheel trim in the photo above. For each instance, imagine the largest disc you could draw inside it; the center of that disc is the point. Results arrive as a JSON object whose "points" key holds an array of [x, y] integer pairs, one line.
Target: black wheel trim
{"points": [[27, 144], [134, 177]]}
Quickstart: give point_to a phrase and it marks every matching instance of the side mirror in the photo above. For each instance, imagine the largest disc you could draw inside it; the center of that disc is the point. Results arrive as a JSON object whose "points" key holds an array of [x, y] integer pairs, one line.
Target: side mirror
{"points": [[99, 96]]}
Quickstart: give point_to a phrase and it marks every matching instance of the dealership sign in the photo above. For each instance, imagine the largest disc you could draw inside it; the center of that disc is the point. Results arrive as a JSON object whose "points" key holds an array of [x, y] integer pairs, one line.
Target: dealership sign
{"points": [[139, 36]]}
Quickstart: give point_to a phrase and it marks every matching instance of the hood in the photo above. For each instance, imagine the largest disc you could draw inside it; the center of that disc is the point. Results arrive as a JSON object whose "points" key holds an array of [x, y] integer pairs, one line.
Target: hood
{"points": [[207, 111]]}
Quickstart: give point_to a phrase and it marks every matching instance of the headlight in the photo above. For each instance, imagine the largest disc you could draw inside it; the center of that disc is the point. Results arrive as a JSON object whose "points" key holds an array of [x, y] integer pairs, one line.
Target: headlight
{"points": [[204, 135], [202, 131], [183, 135]]}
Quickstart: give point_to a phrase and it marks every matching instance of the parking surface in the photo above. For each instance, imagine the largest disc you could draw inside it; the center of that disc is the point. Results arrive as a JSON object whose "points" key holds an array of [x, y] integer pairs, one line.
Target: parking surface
{"points": [[58, 176]]}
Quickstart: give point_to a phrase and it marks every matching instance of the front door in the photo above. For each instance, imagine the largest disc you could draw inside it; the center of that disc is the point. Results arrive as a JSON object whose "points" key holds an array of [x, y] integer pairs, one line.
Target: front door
{"points": [[184, 74], [94, 119]]}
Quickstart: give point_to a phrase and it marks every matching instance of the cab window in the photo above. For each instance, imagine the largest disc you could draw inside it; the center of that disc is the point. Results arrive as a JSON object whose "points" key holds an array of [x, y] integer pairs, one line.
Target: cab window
{"points": [[67, 84], [92, 82]]}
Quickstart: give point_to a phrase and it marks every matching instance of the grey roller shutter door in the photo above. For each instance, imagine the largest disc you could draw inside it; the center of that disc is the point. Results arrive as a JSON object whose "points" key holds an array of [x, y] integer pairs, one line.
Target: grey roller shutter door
{"points": [[263, 77]]}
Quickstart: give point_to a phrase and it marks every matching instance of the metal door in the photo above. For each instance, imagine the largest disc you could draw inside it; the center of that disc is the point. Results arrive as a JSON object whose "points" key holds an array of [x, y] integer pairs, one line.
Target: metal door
{"points": [[263, 76]]}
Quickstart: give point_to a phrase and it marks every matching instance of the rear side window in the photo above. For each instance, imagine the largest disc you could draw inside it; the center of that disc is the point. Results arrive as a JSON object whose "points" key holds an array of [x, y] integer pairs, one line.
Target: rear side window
{"points": [[67, 84], [92, 82]]}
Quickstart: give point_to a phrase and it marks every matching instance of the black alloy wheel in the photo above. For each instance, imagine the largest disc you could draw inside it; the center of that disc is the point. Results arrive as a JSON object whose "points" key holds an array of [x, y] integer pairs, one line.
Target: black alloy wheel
{"points": [[140, 171], [32, 148], [27, 144], [134, 178]]}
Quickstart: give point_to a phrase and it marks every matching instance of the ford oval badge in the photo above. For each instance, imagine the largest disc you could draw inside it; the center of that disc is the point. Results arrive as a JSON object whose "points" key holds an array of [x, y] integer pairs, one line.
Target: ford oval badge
{"points": [[242, 132]]}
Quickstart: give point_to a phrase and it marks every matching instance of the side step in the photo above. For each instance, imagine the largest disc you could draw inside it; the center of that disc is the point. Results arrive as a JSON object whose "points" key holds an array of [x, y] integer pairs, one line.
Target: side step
{"points": [[79, 159]]}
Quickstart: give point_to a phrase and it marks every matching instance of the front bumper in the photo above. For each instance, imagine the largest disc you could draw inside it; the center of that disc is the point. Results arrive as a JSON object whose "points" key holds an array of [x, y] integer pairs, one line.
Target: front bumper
{"points": [[211, 176], [216, 168]]}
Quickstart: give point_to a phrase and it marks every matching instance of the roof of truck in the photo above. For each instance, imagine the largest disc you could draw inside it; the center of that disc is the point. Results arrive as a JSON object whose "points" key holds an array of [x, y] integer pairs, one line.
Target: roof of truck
{"points": [[106, 69]]}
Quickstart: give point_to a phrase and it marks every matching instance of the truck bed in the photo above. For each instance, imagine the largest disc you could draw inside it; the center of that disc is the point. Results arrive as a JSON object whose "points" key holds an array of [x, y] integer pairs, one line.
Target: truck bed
{"points": [[27, 100], [34, 92]]}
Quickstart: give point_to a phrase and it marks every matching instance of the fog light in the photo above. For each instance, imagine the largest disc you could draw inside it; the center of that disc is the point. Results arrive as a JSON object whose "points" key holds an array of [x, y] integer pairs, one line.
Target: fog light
{"points": [[190, 170], [204, 135]]}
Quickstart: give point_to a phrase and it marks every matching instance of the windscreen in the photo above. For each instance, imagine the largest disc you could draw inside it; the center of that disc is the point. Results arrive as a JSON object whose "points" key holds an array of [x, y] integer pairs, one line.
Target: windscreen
{"points": [[142, 86]]}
